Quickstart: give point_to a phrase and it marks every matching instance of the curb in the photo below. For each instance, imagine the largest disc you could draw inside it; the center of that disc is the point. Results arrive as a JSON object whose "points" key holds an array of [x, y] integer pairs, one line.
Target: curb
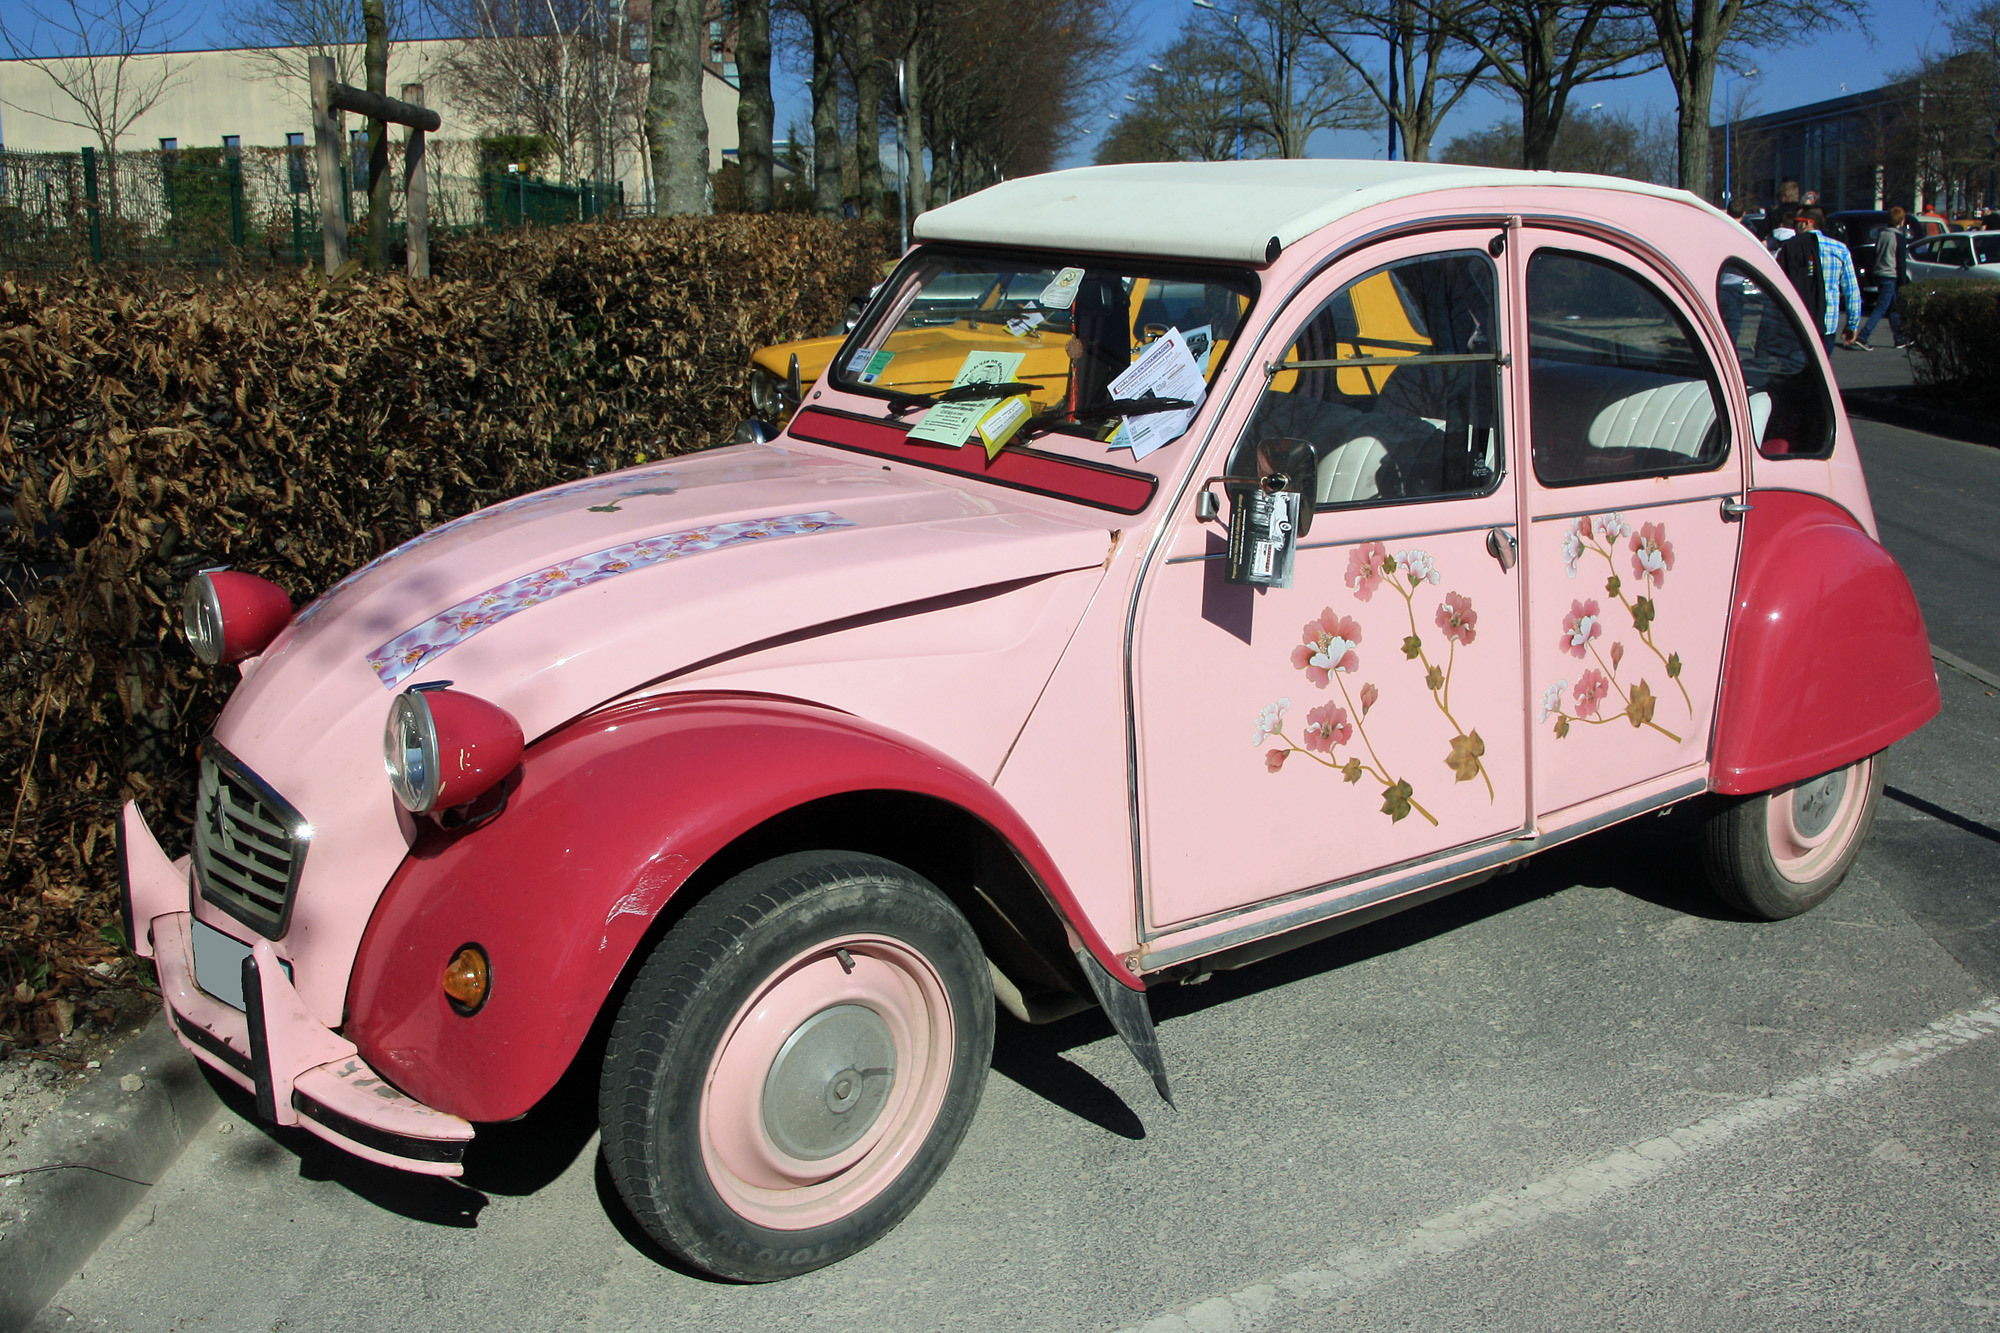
{"points": [[1898, 406], [90, 1161]]}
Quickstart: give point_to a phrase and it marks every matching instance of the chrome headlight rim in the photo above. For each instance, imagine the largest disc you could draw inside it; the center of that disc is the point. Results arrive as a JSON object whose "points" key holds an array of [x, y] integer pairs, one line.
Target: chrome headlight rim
{"points": [[764, 393], [411, 734], [201, 617]]}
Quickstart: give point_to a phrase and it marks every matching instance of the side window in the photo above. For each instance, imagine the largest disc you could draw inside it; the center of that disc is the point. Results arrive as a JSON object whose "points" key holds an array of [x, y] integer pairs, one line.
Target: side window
{"points": [[1791, 412], [1618, 386], [1393, 382]]}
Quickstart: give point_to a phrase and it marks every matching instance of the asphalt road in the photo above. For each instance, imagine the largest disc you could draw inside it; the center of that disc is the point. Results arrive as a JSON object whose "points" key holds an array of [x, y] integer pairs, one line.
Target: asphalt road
{"points": [[1579, 1097]]}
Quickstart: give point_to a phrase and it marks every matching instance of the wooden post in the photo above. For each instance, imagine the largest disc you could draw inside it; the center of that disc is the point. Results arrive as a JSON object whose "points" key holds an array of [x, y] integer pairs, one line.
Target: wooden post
{"points": [[326, 154], [416, 194]]}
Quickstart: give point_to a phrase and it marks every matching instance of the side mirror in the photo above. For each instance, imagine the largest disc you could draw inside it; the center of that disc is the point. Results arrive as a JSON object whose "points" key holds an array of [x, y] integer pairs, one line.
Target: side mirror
{"points": [[1268, 513]]}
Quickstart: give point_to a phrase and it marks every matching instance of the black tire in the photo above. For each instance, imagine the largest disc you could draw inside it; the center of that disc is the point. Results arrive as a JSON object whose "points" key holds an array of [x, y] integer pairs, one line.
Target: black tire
{"points": [[719, 1167], [1779, 853]]}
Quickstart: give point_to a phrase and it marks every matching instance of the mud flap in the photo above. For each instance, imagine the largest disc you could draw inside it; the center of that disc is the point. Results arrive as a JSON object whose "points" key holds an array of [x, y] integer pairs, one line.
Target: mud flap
{"points": [[1133, 1019]]}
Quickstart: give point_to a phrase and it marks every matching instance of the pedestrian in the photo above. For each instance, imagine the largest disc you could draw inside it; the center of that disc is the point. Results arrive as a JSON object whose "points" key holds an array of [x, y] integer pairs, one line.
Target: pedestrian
{"points": [[1890, 264], [1821, 270]]}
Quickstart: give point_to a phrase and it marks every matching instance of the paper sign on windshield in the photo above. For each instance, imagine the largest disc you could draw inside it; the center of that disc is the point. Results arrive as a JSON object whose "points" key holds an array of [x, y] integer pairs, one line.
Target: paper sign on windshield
{"points": [[952, 424], [1061, 294], [1165, 369]]}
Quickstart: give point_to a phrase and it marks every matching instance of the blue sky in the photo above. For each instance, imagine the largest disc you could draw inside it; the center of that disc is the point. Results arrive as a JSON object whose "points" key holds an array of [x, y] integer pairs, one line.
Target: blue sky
{"points": [[1808, 72]]}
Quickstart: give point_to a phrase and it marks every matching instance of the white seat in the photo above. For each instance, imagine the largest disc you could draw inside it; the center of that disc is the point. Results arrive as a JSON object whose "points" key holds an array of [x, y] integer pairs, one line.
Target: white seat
{"points": [[1608, 407]]}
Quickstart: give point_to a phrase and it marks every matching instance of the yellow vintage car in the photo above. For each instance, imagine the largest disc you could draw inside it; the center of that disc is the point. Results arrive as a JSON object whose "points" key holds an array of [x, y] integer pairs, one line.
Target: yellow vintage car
{"points": [[958, 314]]}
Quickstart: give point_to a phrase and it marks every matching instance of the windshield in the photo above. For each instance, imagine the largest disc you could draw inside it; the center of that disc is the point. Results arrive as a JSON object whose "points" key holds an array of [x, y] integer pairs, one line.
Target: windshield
{"points": [[986, 354]]}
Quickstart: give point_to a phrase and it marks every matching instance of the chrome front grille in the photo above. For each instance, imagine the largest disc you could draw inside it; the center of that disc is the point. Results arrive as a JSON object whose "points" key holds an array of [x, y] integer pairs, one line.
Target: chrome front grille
{"points": [[249, 844]]}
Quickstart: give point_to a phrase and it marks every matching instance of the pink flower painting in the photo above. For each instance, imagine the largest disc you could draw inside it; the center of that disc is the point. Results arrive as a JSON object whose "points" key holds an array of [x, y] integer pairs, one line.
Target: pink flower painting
{"points": [[1328, 645], [1365, 568], [1580, 626], [1326, 727], [1590, 692], [1457, 618], [1652, 554]]}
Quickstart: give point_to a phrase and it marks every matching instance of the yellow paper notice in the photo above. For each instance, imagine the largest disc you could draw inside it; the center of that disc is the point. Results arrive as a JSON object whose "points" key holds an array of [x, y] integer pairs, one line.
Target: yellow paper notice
{"points": [[998, 426]]}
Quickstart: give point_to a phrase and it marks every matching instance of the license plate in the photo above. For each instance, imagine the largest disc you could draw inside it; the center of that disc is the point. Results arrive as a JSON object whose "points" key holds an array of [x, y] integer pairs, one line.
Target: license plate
{"points": [[218, 964]]}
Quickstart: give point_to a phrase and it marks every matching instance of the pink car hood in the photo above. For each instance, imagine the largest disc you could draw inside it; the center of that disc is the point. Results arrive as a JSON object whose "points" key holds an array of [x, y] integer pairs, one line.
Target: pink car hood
{"points": [[553, 603]]}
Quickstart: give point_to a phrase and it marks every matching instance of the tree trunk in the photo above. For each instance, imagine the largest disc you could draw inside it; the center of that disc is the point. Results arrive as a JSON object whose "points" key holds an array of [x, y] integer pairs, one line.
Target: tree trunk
{"points": [[913, 132], [753, 107], [1693, 125], [375, 22], [825, 111], [676, 130], [867, 112]]}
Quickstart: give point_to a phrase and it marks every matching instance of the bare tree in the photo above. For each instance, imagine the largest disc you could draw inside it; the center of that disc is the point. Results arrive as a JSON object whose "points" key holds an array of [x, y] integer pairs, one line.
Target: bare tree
{"points": [[1610, 144], [95, 53], [676, 126], [1694, 38], [1543, 50], [281, 35], [1185, 108], [1290, 83], [555, 69], [1427, 67]]}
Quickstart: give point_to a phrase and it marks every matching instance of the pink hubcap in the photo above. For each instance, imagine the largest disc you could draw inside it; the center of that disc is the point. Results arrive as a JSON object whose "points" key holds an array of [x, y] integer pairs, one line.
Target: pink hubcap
{"points": [[1811, 824], [827, 1082]]}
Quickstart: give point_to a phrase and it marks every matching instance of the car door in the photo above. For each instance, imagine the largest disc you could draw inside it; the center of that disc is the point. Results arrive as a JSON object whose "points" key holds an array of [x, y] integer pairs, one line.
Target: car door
{"points": [[1633, 503], [1939, 257], [1290, 739]]}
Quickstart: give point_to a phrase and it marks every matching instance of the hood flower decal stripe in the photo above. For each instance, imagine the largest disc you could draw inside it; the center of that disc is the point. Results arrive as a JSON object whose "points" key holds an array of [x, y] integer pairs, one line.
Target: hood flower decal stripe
{"points": [[401, 657]]}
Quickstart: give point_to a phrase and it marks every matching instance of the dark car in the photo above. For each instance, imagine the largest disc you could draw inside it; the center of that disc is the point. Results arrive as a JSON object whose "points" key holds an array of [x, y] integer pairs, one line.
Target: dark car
{"points": [[1857, 228]]}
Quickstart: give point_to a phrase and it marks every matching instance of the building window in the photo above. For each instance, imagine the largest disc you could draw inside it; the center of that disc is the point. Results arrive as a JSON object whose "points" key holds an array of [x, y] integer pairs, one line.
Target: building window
{"points": [[170, 145], [295, 163], [232, 145], [358, 147], [715, 42]]}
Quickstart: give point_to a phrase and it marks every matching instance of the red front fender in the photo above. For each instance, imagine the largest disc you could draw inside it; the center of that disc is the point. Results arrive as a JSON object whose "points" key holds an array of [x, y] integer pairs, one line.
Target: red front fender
{"points": [[611, 817], [1828, 658]]}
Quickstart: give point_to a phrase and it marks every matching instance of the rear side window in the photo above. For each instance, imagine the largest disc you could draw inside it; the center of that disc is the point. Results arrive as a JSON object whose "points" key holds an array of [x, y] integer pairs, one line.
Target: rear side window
{"points": [[1618, 386], [1791, 412]]}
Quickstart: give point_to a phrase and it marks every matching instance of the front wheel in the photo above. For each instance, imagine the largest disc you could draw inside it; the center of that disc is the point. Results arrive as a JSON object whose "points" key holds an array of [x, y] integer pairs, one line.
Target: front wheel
{"points": [[1776, 854], [795, 1064]]}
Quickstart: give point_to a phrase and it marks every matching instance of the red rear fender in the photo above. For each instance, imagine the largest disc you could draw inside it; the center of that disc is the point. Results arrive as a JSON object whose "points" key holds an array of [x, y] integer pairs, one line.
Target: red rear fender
{"points": [[609, 819], [1828, 659]]}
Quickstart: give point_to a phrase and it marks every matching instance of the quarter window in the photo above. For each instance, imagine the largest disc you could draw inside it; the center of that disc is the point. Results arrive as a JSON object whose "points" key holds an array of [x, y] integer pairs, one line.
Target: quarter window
{"points": [[1393, 384], [1791, 412], [1618, 386]]}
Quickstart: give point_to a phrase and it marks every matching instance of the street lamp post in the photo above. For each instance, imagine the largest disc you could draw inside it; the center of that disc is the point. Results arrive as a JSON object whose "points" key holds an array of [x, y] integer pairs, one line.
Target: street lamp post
{"points": [[1728, 128], [1238, 22]]}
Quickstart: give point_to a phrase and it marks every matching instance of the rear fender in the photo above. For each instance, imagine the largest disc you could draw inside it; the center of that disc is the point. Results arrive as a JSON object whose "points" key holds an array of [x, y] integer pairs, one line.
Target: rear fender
{"points": [[1828, 658], [607, 820]]}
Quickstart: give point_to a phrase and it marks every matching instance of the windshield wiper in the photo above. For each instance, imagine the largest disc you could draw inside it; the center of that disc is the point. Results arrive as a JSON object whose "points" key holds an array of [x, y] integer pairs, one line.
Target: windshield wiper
{"points": [[900, 403], [1104, 411]]}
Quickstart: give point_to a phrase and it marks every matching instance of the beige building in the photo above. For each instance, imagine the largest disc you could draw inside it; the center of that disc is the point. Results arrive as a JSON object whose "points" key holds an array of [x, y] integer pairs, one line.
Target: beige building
{"points": [[257, 98]]}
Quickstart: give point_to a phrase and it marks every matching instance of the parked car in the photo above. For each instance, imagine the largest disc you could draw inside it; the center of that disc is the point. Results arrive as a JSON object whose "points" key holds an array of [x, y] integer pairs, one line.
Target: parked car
{"points": [[1858, 229], [1957, 255], [1495, 508]]}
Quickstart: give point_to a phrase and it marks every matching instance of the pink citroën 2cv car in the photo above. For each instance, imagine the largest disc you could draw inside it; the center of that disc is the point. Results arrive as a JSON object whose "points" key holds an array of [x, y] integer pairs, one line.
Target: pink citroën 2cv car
{"points": [[1434, 515]]}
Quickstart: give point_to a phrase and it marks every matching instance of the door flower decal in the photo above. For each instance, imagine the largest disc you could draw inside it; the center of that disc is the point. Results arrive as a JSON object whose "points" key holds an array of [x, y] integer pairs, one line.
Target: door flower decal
{"points": [[1599, 697], [1329, 651]]}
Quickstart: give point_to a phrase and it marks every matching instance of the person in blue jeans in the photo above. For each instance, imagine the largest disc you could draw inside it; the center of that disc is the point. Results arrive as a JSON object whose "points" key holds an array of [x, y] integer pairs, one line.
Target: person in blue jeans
{"points": [[1891, 254]]}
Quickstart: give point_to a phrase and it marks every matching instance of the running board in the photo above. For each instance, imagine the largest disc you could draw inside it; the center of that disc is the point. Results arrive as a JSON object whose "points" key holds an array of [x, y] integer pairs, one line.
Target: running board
{"points": [[1132, 1017]]}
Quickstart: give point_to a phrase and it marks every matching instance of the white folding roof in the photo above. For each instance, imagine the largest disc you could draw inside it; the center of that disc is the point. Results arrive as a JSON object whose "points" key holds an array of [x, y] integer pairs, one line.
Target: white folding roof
{"points": [[1213, 210]]}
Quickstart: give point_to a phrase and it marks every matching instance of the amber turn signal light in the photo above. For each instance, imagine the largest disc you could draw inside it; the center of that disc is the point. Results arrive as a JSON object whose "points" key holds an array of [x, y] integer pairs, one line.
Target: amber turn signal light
{"points": [[468, 977]]}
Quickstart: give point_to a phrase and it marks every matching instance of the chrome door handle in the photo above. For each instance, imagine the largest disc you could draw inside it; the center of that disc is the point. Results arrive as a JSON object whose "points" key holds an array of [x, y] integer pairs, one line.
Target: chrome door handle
{"points": [[1504, 548], [1734, 510]]}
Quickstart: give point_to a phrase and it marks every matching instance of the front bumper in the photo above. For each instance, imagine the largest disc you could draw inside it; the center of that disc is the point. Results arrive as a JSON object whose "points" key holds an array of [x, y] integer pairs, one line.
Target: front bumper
{"points": [[302, 1072]]}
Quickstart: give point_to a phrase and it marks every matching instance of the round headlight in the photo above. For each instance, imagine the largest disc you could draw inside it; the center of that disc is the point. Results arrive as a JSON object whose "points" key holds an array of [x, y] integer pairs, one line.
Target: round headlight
{"points": [[410, 751], [229, 616], [201, 618], [764, 393], [444, 748]]}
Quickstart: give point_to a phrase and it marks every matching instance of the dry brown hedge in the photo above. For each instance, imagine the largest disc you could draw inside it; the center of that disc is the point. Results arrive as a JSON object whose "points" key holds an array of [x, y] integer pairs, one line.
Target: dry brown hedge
{"points": [[147, 431]]}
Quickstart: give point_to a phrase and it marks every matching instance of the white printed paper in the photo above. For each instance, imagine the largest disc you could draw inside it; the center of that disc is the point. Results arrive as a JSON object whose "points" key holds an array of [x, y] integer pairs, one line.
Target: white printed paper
{"points": [[1025, 323], [1165, 369], [1061, 294], [952, 424]]}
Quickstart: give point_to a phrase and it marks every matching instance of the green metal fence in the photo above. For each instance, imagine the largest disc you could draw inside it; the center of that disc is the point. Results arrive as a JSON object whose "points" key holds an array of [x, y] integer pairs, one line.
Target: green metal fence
{"points": [[212, 207]]}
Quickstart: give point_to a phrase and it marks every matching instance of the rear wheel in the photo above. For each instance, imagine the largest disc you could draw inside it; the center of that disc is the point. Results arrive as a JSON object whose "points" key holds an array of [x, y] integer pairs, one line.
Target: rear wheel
{"points": [[1776, 854], [795, 1064]]}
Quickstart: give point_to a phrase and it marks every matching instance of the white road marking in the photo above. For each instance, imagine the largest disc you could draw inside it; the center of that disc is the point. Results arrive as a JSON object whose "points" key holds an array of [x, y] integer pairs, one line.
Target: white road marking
{"points": [[1569, 1191]]}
